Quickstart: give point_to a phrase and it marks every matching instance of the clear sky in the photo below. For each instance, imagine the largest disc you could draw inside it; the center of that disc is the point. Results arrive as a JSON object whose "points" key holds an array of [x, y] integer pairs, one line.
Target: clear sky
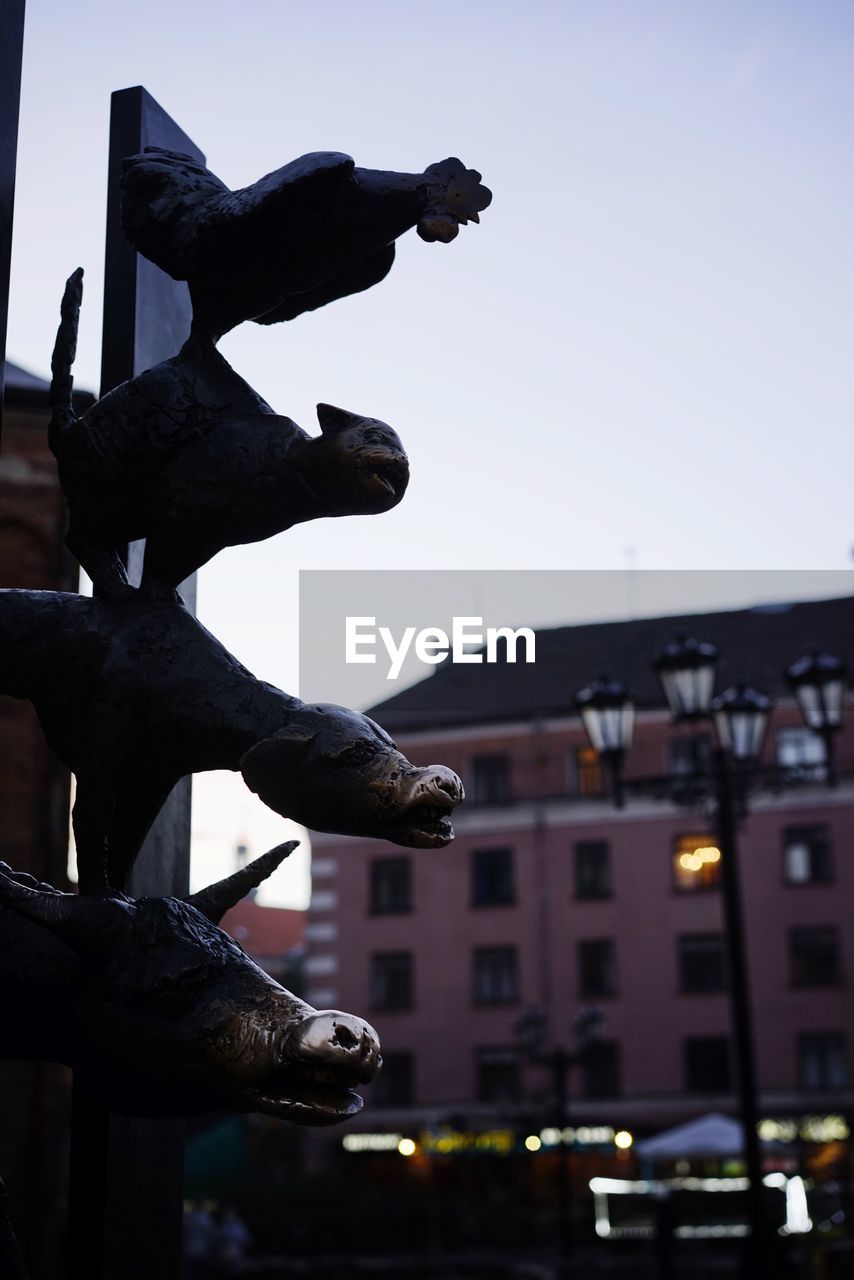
{"points": [[645, 344]]}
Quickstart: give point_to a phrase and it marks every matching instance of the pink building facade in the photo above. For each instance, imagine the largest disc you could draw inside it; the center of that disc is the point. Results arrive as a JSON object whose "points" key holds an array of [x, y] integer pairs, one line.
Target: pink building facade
{"points": [[551, 898]]}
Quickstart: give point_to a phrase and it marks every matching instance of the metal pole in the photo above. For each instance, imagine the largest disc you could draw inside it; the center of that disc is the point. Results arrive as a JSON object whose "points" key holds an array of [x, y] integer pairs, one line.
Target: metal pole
{"points": [[126, 1181], [829, 736], [755, 1260], [11, 1262], [11, 51], [560, 1064]]}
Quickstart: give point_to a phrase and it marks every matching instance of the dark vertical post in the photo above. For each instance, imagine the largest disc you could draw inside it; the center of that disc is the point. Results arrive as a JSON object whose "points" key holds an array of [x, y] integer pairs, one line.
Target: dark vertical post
{"points": [[11, 50], [126, 1198], [11, 1263], [755, 1256], [561, 1063]]}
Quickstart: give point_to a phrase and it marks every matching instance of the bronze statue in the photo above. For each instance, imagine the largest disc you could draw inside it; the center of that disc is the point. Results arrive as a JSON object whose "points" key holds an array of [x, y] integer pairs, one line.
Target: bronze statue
{"points": [[190, 458], [134, 695], [160, 1012], [316, 230]]}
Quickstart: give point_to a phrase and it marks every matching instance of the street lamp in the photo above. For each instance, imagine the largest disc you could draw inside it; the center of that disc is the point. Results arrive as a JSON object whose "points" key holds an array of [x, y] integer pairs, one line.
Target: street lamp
{"points": [[686, 669], [608, 715], [818, 683], [530, 1031], [741, 716]]}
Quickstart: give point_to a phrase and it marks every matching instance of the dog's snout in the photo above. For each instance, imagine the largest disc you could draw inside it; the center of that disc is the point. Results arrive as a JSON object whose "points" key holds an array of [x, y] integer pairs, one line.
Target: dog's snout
{"points": [[341, 1040], [446, 781]]}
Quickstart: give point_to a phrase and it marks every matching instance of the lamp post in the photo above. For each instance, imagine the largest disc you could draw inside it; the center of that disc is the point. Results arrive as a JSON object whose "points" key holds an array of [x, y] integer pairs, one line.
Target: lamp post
{"points": [[687, 669], [608, 715], [818, 682], [530, 1037]]}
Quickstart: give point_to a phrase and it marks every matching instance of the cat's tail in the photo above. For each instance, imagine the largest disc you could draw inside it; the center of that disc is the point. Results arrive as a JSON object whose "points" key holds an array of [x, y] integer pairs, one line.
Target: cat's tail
{"points": [[64, 351]]}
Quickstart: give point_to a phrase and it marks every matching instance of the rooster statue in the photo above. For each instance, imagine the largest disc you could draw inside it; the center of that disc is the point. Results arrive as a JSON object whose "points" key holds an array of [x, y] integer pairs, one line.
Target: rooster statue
{"points": [[316, 230]]}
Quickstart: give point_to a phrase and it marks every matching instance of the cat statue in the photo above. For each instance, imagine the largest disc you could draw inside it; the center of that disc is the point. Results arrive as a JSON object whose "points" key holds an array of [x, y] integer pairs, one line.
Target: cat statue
{"points": [[190, 458]]}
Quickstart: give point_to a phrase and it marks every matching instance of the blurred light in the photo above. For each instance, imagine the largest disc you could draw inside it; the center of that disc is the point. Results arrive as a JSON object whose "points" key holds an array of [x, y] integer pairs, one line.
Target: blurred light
{"points": [[406, 1147], [623, 1139], [371, 1141], [532, 1142], [690, 861], [593, 1135], [798, 1219], [824, 1128], [708, 853]]}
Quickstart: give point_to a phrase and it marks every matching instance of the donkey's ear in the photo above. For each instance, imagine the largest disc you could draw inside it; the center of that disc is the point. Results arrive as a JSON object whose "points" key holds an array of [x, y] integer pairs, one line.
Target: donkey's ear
{"points": [[333, 420], [274, 765]]}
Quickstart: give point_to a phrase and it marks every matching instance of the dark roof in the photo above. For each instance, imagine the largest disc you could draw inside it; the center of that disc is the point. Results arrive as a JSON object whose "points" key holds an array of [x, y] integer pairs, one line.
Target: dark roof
{"points": [[27, 390], [19, 379], [755, 645]]}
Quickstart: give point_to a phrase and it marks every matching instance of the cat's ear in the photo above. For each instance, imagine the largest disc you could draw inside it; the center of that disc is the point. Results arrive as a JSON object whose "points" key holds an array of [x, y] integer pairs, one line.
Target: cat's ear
{"points": [[333, 420]]}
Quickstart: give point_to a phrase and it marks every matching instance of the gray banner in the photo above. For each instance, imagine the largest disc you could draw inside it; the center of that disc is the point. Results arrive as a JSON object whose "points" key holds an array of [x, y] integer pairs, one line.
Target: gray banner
{"points": [[394, 616]]}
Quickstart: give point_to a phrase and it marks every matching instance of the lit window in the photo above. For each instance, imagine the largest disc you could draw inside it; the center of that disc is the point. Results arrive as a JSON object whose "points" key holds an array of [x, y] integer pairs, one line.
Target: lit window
{"points": [[696, 863], [806, 855], [588, 772], [802, 751]]}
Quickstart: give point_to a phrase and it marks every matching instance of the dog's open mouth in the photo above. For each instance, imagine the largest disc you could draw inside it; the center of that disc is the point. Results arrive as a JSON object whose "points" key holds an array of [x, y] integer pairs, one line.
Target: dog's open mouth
{"points": [[306, 1095], [387, 476], [426, 826]]}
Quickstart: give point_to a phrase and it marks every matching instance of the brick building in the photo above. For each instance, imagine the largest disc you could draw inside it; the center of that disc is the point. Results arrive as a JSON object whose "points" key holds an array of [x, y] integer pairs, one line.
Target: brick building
{"points": [[34, 801], [552, 898]]}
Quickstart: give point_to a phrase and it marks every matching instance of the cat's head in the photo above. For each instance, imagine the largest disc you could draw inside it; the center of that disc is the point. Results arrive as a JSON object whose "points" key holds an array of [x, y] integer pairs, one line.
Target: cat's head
{"points": [[360, 466]]}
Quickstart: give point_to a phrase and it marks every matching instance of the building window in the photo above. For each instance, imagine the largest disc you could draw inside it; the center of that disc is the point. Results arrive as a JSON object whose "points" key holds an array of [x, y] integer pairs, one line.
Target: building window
{"points": [[822, 1060], [814, 957], [806, 855], [497, 1076], [492, 880], [490, 777], [701, 962], [587, 772], [395, 1086], [690, 755], [707, 1068], [696, 863], [802, 751], [391, 885], [597, 968], [600, 1070], [495, 975], [391, 980], [592, 869]]}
